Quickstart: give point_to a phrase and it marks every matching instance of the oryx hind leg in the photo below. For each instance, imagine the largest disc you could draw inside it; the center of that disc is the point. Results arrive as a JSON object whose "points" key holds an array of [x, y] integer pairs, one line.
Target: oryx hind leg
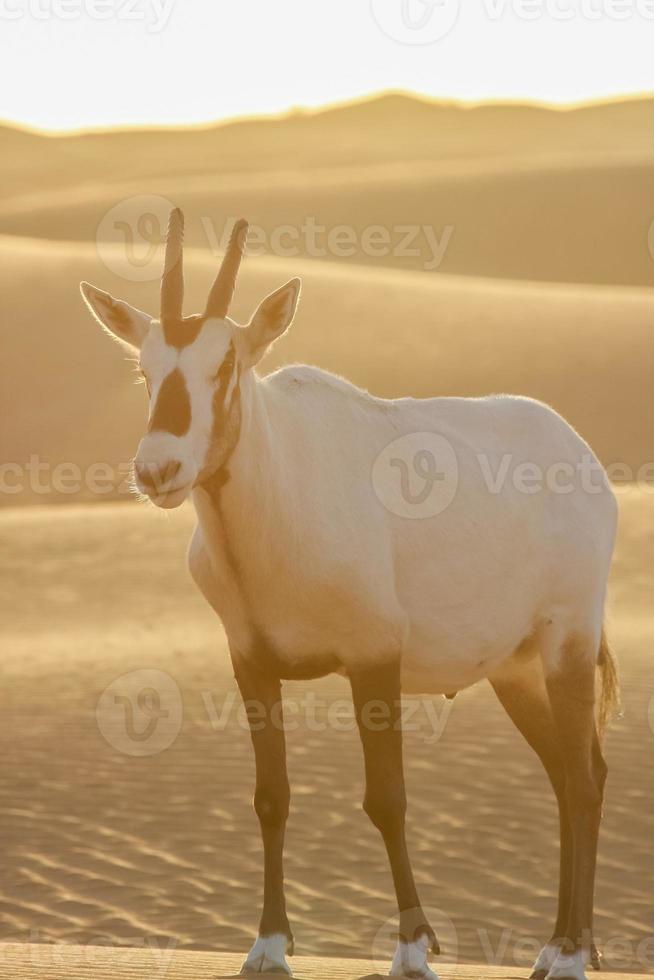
{"points": [[521, 689], [551, 700], [570, 665]]}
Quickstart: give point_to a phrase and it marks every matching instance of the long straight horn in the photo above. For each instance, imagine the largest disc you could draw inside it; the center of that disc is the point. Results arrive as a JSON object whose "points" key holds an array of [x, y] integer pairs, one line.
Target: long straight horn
{"points": [[223, 288], [172, 280]]}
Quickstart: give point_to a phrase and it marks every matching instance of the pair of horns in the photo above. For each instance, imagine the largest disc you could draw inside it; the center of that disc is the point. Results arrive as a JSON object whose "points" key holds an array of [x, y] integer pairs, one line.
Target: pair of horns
{"points": [[172, 280]]}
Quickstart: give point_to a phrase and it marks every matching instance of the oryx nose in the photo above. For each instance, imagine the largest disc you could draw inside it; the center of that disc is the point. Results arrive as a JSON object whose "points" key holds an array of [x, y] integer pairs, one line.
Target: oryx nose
{"points": [[158, 475]]}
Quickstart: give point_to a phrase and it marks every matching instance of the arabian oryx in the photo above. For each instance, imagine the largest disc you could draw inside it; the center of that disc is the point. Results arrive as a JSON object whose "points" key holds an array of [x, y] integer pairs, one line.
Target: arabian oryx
{"points": [[312, 572]]}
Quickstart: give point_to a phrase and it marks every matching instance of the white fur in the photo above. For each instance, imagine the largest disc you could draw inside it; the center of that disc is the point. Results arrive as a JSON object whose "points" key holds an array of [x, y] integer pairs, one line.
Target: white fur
{"points": [[410, 960], [568, 965], [326, 567], [268, 954], [546, 957]]}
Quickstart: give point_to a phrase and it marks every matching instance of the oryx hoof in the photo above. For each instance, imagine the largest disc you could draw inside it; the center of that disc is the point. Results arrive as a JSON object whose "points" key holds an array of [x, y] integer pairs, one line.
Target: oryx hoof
{"points": [[410, 959], [268, 955]]}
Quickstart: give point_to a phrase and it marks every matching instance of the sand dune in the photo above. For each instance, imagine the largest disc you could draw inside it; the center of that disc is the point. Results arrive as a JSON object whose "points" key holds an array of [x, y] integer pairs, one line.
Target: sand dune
{"points": [[513, 217], [69, 396], [526, 192], [392, 127], [103, 846]]}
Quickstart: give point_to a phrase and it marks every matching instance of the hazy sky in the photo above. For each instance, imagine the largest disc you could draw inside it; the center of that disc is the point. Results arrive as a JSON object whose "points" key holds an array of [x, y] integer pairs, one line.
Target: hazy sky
{"points": [[76, 63]]}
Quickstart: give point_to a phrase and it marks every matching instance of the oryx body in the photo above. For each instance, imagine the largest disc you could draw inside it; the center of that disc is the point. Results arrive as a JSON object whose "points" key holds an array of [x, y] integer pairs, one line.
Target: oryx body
{"points": [[316, 563], [326, 570]]}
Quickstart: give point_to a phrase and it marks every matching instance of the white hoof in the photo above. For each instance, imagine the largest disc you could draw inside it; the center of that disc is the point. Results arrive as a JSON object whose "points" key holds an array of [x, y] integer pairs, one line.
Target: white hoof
{"points": [[545, 961], [268, 955], [410, 960], [568, 965]]}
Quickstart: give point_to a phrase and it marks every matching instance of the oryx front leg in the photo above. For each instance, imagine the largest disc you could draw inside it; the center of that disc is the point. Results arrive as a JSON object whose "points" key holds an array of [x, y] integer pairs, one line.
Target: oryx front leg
{"points": [[262, 697], [377, 704]]}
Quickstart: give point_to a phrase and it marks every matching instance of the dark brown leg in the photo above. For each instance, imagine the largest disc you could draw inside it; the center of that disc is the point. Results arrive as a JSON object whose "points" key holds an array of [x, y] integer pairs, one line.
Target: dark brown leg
{"points": [[261, 693], [377, 703], [571, 689], [524, 697]]}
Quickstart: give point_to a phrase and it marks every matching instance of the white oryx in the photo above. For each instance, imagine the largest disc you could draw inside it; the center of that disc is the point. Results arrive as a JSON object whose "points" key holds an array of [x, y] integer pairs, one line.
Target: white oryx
{"points": [[311, 573]]}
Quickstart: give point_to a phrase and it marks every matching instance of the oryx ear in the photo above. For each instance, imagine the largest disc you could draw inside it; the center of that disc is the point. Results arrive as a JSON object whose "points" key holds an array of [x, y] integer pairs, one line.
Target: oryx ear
{"points": [[126, 324], [274, 316]]}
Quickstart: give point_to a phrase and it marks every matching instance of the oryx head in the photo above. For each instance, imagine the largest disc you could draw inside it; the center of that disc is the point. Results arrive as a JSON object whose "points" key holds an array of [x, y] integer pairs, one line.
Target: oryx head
{"points": [[194, 367]]}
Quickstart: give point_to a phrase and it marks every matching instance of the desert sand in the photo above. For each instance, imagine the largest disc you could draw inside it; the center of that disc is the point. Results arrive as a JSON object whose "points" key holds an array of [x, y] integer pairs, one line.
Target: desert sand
{"points": [[99, 843], [60, 962], [530, 193], [544, 291]]}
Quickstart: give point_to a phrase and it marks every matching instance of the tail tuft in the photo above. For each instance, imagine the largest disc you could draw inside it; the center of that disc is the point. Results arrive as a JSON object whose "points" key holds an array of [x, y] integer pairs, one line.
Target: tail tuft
{"points": [[609, 701]]}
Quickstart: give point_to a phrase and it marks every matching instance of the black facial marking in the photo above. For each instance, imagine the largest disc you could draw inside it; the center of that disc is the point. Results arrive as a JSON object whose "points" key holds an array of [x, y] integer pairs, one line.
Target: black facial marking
{"points": [[180, 333], [172, 412], [227, 416], [226, 426], [226, 368]]}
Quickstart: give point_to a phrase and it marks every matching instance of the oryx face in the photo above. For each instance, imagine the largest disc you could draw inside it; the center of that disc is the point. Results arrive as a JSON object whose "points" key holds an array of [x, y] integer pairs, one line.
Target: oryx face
{"points": [[193, 384], [194, 368]]}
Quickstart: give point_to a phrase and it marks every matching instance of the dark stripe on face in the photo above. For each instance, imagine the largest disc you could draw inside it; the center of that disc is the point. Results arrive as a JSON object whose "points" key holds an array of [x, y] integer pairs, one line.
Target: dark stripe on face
{"points": [[181, 333], [172, 412], [222, 410], [226, 370], [226, 426]]}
